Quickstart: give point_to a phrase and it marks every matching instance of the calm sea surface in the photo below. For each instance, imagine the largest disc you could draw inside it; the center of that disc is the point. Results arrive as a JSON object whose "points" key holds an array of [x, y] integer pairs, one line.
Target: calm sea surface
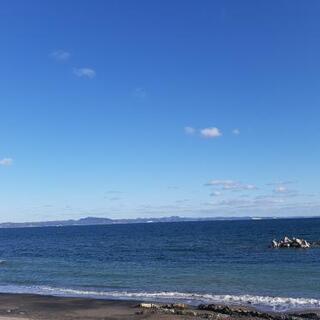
{"points": [[219, 261]]}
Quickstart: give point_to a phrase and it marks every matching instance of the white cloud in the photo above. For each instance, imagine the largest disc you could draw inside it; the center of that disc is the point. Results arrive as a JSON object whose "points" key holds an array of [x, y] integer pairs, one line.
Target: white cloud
{"points": [[281, 189], [236, 132], [249, 187], [189, 130], [84, 73], [6, 162], [215, 193], [212, 132], [60, 55], [231, 185]]}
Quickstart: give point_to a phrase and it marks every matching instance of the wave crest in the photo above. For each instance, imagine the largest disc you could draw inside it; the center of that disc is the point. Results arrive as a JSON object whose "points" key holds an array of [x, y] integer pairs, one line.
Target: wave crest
{"points": [[266, 303]]}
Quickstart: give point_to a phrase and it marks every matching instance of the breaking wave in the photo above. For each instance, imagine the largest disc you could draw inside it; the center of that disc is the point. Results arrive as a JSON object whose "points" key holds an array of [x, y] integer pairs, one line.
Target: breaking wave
{"points": [[267, 303]]}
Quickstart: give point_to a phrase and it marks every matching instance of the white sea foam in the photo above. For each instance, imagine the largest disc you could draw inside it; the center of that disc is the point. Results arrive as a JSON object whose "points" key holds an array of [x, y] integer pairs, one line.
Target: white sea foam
{"points": [[260, 302]]}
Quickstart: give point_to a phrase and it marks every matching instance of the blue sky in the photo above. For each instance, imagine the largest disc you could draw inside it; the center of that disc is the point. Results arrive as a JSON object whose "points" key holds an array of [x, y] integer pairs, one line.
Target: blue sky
{"points": [[156, 108]]}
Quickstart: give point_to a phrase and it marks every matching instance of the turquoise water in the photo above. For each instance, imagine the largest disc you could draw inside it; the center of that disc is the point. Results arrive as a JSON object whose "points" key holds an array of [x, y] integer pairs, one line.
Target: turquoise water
{"points": [[217, 261]]}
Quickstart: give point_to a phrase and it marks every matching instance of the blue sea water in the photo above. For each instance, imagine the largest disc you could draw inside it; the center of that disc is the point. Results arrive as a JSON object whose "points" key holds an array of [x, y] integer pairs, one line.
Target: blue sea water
{"points": [[194, 262]]}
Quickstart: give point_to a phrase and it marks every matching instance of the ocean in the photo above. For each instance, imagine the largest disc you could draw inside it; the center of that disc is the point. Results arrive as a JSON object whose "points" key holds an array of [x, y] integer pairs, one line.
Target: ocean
{"points": [[193, 262]]}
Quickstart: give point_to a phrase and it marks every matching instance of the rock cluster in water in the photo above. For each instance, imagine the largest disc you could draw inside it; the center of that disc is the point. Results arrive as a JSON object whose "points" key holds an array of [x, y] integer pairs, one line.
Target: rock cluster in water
{"points": [[291, 243]]}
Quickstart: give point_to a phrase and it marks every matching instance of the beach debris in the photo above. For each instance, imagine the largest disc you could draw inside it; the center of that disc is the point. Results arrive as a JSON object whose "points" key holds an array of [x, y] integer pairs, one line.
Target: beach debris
{"points": [[149, 306], [286, 242], [162, 306]]}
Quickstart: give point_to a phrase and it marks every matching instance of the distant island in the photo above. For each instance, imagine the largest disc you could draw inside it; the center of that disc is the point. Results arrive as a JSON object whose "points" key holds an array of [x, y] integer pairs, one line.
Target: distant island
{"points": [[106, 221]]}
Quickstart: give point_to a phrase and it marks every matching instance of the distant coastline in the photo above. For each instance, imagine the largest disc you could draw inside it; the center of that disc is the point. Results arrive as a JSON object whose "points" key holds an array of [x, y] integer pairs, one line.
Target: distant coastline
{"points": [[90, 221]]}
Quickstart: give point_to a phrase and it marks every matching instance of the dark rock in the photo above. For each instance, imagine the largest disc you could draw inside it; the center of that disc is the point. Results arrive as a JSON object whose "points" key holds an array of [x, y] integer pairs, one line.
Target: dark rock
{"points": [[139, 312], [186, 313], [239, 311], [309, 316], [222, 312], [175, 306]]}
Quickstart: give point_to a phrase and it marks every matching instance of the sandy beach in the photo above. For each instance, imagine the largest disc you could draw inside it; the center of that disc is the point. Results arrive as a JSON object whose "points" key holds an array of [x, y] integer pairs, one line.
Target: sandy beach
{"points": [[37, 307]]}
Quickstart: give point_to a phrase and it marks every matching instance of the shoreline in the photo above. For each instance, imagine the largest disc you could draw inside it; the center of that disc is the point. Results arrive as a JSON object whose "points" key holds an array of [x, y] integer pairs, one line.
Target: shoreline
{"points": [[45, 307], [262, 303]]}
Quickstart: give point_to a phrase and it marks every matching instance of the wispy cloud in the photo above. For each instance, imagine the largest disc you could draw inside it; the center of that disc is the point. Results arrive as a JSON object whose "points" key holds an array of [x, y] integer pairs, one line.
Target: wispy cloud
{"points": [[215, 193], [60, 55], [236, 207], [112, 195], [84, 73], [113, 192], [182, 201], [6, 162], [189, 130], [140, 93], [250, 203], [281, 183], [114, 198], [230, 185], [210, 133], [281, 189], [236, 131]]}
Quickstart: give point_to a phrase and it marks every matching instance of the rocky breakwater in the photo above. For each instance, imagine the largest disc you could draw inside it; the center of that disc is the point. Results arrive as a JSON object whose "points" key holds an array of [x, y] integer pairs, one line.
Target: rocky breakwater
{"points": [[217, 312], [291, 243]]}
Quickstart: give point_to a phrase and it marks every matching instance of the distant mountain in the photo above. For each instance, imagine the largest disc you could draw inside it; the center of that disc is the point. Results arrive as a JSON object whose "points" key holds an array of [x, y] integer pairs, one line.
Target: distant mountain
{"points": [[103, 221]]}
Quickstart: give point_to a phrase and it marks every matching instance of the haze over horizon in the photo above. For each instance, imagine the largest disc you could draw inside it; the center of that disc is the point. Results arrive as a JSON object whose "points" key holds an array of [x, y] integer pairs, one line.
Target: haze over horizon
{"points": [[126, 109]]}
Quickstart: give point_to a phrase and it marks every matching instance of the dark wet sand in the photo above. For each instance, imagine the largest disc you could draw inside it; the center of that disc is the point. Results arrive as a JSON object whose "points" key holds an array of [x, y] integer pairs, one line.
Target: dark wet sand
{"points": [[24, 306], [37, 307]]}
